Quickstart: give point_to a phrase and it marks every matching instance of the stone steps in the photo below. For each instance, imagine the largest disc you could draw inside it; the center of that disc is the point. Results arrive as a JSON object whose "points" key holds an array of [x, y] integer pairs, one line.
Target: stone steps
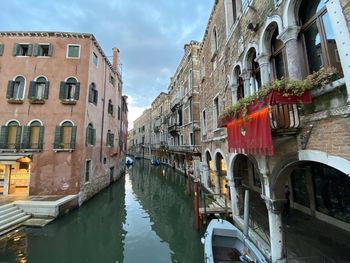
{"points": [[11, 216]]}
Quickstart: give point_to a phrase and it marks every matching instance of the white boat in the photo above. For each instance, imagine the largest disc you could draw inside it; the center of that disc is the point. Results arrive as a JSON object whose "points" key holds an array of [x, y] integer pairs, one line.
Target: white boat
{"points": [[129, 161], [225, 243]]}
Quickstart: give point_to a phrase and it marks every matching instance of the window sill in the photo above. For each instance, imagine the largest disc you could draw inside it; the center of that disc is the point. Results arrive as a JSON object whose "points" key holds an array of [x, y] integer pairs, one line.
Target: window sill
{"points": [[69, 102], [9, 150], [15, 101], [37, 101], [63, 150], [32, 150]]}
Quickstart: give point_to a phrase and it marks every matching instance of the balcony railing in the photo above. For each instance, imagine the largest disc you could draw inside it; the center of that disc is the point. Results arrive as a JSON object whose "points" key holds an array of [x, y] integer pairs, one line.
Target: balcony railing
{"points": [[173, 129]]}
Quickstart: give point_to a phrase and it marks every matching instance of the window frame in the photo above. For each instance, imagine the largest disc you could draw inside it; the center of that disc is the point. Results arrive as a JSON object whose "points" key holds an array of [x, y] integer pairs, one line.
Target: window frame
{"points": [[88, 172], [73, 45]]}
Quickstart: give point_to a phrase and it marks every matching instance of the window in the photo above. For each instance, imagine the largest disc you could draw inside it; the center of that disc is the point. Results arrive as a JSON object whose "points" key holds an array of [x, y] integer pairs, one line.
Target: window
{"points": [[93, 94], [190, 112], [73, 51], [15, 88], [216, 112], [87, 170], [111, 80], [204, 123], [245, 4], [278, 56], [22, 49], [65, 136], [255, 80], [43, 50], [69, 90], [90, 135], [191, 138], [118, 113], [189, 81], [38, 89], [10, 136], [231, 8], [94, 58], [110, 107], [214, 41], [33, 136], [319, 40], [2, 46], [110, 139], [240, 83]]}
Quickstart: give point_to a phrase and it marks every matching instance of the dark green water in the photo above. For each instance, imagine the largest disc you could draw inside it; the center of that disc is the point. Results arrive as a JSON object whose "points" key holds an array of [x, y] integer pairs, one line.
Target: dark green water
{"points": [[145, 217]]}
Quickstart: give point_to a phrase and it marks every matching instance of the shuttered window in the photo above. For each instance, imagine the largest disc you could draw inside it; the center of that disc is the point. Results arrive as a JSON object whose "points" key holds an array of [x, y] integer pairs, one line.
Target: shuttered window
{"points": [[10, 136], [15, 88], [43, 50], [73, 51], [22, 49], [110, 107], [2, 46], [39, 89], [90, 135], [110, 139], [69, 90], [65, 136], [93, 94], [33, 136]]}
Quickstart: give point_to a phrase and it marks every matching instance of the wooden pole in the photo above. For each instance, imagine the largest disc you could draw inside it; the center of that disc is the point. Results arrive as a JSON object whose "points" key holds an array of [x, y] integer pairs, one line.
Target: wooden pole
{"points": [[196, 204]]}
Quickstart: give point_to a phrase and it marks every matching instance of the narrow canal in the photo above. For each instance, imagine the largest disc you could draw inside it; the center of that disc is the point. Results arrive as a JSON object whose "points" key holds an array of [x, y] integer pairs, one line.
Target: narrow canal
{"points": [[144, 217]]}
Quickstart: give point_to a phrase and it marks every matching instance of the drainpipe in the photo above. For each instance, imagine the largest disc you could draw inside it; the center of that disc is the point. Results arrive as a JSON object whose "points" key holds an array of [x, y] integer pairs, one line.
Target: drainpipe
{"points": [[103, 110]]}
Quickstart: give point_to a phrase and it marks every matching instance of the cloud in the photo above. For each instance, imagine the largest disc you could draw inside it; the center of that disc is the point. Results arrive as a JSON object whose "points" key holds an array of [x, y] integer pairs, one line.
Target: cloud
{"points": [[149, 33]]}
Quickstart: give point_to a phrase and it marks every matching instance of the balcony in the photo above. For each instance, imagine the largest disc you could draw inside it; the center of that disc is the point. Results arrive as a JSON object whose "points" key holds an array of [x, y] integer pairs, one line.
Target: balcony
{"points": [[173, 129], [194, 149]]}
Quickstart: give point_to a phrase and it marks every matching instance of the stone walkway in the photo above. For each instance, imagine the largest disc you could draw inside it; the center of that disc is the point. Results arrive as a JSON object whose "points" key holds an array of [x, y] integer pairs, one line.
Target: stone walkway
{"points": [[11, 198]]}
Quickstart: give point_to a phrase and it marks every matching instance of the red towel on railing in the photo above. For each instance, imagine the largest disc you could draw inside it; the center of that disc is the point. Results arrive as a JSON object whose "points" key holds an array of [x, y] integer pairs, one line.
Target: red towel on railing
{"points": [[251, 135]]}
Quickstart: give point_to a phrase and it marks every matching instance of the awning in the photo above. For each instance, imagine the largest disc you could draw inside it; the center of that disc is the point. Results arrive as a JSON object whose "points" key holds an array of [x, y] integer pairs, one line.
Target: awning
{"points": [[11, 159]]}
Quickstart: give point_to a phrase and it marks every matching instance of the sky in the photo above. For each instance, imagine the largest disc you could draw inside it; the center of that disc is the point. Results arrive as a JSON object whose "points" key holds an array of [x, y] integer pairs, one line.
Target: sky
{"points": [[150, 34]]}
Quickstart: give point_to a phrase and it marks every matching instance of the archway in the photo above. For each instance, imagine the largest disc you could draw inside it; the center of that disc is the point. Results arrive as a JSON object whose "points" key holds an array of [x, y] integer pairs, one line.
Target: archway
{"points": [[221, 169]]}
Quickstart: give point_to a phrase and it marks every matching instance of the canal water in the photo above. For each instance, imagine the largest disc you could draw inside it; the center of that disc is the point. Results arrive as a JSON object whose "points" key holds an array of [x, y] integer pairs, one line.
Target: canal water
{"points": [[146, 216]]}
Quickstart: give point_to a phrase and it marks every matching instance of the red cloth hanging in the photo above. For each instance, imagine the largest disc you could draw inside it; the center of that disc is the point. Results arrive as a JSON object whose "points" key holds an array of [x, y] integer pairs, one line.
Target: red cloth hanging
{"points": [[251, 135]]}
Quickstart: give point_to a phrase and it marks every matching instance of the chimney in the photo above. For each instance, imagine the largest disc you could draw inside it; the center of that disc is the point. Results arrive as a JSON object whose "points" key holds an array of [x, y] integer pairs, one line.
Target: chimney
{"points": [[115, 58]]}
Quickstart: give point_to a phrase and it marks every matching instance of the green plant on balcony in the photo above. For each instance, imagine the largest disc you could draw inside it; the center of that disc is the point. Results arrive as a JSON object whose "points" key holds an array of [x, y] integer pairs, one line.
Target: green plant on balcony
{"points": [[287, 87]]}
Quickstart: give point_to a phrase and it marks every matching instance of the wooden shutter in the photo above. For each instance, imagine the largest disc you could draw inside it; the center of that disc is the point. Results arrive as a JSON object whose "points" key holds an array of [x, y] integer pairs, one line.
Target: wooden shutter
{"points": [[112, 140], [1, 49], [15, 49], [57, 141], [74, 137], [30, 49], [95, 96], [50, 50], [41, 138], [46, 91], [18, 137], [26, 136], [63, 92], [87, 130], [10, 87], [36, 50], [32, 92], [77, 91], [3, 137], [93, 136], [91, 94]]}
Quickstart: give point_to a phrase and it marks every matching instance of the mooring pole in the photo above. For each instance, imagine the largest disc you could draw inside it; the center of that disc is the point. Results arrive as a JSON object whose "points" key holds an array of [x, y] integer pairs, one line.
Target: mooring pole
{"points": [[196, 204], [188, 182], [246, 213]]}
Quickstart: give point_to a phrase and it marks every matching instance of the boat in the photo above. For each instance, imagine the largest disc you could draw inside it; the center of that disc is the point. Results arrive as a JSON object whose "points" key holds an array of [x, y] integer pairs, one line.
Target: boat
{"points": [[154, 162], [225, 243], [137, 157], [129, 161]]}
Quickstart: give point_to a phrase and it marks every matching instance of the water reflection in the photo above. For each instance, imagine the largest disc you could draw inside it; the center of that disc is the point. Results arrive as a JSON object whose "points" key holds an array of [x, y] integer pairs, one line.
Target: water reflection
{"points": [[148, 220]]}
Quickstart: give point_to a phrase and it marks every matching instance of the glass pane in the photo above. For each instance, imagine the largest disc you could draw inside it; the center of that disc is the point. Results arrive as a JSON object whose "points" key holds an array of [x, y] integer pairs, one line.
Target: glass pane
{"points": [[34, 137], [332, 49], [70, 91], [73, 51], [279, 66], [66, 136], [40, 87], [11, 139], [309, 8], [313, 48], [300, 192]]}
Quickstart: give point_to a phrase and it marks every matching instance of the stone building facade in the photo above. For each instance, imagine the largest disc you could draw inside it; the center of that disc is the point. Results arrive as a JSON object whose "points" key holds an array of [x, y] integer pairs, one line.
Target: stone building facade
{"points": [[248, 44], [142, 132], [60, 95]]}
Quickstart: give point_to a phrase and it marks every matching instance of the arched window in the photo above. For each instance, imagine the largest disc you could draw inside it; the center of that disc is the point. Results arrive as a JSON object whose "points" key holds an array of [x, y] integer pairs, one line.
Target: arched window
{"points": [[239, 84], [33, 136], [214, 41], [15, 88], [90, 135], [38, 89], [93, 94], [65, 136], [278, 56], [69, 90], [110, 107], [318, 37], [10, 136], [253, 66], [110, 139]]}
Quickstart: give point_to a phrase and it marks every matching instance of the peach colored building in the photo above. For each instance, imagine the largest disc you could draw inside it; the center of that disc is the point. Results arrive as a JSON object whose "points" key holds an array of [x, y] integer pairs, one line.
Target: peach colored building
{"points": [[59, 116]]}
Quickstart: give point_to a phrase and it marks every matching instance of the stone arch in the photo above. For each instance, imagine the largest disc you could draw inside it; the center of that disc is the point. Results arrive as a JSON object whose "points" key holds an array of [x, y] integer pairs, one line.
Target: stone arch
{"points": [[218, 151], [233, 75], [265, 38], [246, 57], [290, 14]]}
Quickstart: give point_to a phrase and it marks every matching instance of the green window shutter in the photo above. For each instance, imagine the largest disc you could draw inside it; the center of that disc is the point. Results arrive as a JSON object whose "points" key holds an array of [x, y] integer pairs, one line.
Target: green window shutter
{"points": [[91, 95], [30, 49], [46, 91], [87, 136], [63, 88], [96, 97], [1, 49], [18, 137], [57, 141], [93, 136], [3, 137], [77, 91], [15, 49], [112, 139], [50, 50], [32, 92], [74, 137], [26, 136], [10, 86], [41, 138], [36, 50]]}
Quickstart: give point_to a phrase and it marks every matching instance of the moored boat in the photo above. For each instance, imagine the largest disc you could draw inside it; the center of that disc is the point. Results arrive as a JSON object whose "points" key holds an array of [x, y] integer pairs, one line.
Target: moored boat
{"points": [[129, 161], [223, 242], [154, 162]]}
